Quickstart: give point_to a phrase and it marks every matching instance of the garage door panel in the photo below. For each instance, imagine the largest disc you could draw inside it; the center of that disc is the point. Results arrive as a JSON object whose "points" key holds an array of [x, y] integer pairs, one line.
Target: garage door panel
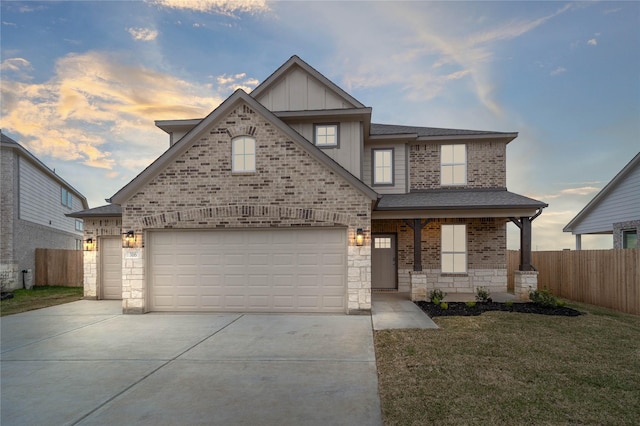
{"points": [[288, 270]]}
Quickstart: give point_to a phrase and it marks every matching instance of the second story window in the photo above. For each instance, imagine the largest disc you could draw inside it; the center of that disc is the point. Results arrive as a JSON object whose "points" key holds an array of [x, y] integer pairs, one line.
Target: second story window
{"points": [[326, 135], [383, 166], [453, 165], [66, 198], [243, 155]]}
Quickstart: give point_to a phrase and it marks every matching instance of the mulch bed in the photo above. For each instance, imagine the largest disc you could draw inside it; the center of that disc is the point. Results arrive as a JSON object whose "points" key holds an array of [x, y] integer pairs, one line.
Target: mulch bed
{"points": [[461, 309]]}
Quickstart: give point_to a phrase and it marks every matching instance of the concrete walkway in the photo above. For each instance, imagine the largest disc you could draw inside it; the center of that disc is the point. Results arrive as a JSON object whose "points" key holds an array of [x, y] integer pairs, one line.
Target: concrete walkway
{"points": [[394, 310], [86, 363]]}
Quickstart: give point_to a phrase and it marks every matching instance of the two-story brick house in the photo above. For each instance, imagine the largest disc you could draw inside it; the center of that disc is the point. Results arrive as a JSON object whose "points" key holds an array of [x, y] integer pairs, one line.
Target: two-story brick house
{"points": [[34, 201], [290, 200]]}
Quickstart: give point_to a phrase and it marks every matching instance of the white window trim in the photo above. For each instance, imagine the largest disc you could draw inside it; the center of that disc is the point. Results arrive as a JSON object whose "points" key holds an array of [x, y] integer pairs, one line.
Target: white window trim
{"points": [[246, 167], [374, 167], [455, 250], [452, 165], [317, 127]]}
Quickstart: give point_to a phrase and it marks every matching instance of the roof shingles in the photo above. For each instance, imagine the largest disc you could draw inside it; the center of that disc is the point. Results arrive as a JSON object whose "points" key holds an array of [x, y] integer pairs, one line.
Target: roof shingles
{"points": [[441, 199]]}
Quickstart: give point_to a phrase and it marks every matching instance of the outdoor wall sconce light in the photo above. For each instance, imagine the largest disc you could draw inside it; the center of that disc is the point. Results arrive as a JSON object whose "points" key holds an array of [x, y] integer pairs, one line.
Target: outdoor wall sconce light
{"points": [[359, 237], [89, 244], [129, 240]]}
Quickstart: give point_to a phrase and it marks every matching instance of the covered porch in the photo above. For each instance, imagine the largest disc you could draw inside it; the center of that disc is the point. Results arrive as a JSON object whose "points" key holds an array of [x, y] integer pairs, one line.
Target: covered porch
{"points": [[452, 240]]}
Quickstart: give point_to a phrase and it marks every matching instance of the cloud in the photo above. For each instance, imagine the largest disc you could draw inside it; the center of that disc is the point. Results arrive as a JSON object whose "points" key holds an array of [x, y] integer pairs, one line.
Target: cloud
{"points": [[19, 67], [558, 70], [9, 24], [98, 110], [236, 81], [424, 56], [592, 42], [221, 7], [143, 34]]}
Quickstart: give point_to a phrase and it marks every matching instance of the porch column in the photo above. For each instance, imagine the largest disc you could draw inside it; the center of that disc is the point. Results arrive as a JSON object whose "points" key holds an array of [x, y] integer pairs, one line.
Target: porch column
{"points": [[524, 223], [417, 226], [578, 241]]}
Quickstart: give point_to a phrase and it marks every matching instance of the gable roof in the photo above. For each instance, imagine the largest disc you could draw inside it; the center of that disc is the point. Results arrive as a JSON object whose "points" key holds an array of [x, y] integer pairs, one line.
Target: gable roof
{"points": [[8, 143], [604, 192], [296, 61], [238, 97], [381, 131]]}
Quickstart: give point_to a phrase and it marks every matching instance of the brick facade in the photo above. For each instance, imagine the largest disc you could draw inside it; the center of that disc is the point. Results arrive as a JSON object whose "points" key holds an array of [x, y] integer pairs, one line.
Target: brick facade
{"points": [[290, 188], [486, 165], [8, 188], [619, 227]]}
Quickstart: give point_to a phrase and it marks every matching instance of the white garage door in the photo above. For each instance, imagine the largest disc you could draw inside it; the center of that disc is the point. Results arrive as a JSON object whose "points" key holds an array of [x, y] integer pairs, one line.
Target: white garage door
{"points": [[290, 270], [111, 268]]}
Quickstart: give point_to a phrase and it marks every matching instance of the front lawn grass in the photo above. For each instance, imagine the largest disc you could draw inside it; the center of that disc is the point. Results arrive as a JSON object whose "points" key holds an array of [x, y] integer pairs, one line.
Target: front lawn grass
{"points": [[513, 368], [39, 297]]}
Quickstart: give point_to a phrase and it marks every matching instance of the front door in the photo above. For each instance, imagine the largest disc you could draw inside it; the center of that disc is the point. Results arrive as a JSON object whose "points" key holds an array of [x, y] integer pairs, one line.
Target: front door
{"points": [[384, 273]]}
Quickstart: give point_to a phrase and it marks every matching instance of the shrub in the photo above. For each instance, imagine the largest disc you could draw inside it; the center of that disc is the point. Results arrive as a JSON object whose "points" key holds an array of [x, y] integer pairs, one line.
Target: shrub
{"points": [[543, 298], [444, 305], [436, 295], [482, 294], [470, 304], [508, 303]]}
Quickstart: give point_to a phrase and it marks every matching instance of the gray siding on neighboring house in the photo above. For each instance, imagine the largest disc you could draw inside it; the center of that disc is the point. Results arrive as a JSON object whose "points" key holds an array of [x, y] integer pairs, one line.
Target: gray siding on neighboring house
{"points": [[350, 144], [620, 204], [40, 200], [298, 91], [399, 168]]}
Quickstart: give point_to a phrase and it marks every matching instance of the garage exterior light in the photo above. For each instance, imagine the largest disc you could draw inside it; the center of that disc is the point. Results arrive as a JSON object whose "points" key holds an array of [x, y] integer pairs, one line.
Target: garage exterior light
{"points": [[129, 240], [359, 237]]}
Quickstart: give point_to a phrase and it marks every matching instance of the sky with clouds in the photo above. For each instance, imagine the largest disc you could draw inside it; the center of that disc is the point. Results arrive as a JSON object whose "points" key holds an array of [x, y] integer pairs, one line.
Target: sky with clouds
{"points": [[83, 81]]}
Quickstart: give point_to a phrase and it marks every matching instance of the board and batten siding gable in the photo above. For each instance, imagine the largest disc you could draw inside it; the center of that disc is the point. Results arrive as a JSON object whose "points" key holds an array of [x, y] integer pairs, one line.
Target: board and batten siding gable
{"points": [[347, 154], [40, 200], [399, 168], [299, 91], [621, 204]]}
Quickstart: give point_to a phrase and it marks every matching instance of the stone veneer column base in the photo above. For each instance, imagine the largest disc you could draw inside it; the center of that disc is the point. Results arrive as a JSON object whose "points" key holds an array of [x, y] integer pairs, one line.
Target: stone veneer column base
{"points": [[133, 281], [418, 280], [90, 275], [524, 282], [359, 280]]}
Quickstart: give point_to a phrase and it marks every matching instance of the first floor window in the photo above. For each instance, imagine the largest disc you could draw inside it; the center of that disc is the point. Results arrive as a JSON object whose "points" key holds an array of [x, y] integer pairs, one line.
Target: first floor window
{"points": [[383, 167], [630, 239], [243, 154], [326, 135], [453, 165], [454, 249]]}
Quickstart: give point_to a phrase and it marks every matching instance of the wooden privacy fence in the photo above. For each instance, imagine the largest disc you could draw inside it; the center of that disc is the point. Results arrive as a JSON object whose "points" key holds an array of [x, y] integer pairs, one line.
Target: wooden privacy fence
{"points": [[608, 278], [59, 267]]}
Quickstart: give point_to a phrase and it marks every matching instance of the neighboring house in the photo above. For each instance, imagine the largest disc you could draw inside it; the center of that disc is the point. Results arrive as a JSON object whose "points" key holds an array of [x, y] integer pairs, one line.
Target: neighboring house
{"points": [[33, 203], [614, 210], [290, 200]]}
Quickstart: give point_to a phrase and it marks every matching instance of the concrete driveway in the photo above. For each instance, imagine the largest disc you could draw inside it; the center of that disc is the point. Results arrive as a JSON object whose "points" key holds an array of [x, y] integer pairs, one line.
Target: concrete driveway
{"points": [[86, 363]]}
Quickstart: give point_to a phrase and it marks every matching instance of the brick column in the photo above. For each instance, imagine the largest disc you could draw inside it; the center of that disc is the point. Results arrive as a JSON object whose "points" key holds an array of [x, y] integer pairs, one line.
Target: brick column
{"points": [[524, 282]]}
